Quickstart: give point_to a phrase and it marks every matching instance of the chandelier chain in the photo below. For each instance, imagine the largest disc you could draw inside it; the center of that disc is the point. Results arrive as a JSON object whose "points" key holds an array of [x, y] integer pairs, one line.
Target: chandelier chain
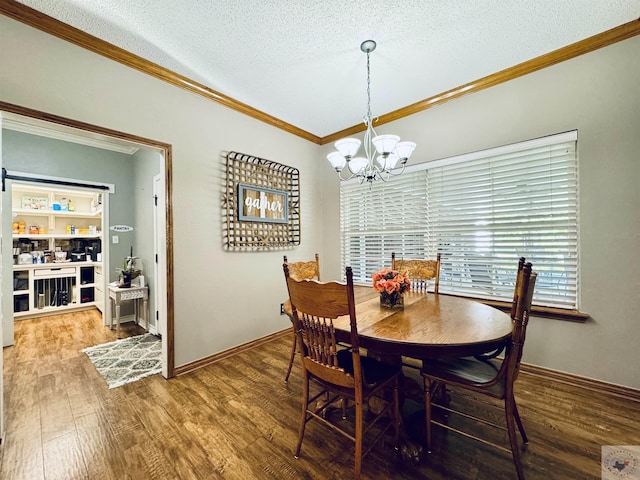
{"points": [[368, 89]]}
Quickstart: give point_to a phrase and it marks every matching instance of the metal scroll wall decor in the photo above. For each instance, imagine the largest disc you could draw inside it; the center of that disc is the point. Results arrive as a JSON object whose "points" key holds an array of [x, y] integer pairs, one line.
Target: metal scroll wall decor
{"points": [[262, 203]]}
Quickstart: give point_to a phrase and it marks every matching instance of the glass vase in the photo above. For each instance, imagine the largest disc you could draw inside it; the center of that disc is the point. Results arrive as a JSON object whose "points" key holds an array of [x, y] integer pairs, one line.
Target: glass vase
{"points": [[391, 300]]}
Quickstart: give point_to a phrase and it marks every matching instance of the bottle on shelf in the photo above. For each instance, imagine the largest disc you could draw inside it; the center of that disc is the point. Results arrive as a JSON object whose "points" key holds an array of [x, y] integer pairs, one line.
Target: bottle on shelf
{"points": [[72, 207]]}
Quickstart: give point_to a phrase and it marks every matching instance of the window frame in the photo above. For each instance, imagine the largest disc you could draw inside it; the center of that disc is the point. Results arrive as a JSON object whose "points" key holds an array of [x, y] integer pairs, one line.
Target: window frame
{"points": [[382, 255]]}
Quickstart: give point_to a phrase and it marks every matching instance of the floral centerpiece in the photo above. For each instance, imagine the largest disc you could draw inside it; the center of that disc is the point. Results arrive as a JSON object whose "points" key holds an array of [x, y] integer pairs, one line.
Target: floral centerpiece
{"points": [[391, 284]]}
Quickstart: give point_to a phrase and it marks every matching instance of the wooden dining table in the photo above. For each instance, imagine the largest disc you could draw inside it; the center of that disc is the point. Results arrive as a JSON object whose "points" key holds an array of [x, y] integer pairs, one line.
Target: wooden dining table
{"points": [[429, 325]]}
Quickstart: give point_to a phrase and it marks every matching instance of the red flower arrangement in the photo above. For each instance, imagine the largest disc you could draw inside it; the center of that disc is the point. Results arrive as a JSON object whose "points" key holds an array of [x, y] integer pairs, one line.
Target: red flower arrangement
{"points": [[391, 284]]}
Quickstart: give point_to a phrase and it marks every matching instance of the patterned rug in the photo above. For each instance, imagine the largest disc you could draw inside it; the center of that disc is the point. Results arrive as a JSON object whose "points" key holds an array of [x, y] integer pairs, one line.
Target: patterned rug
{"points": [[127, 360]]}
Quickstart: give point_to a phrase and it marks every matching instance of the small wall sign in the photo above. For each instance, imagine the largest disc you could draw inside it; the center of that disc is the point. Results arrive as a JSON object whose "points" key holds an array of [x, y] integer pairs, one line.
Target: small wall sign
{"points": [[257, 204], [121, 228]]}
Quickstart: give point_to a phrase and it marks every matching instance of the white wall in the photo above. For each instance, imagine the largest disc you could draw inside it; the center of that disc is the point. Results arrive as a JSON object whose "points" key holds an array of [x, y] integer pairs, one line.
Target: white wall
{"points": [[147, 164], [595, 93], [598, 94], [222, 299]]}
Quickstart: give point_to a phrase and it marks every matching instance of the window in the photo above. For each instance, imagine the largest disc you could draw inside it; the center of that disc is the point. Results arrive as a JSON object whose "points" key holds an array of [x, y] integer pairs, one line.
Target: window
{"points": [[388, 217], [481, 211]]}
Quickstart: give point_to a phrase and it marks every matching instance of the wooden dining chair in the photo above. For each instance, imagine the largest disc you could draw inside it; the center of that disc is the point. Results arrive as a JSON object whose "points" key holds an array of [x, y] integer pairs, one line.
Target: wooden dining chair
{"points": [[419, 271], [486, 375], [300, 271], [342, 374]]}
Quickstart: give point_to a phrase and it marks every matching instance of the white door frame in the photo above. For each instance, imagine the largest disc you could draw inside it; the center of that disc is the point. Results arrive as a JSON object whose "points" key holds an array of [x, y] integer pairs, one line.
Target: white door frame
{"points": [[159, 313], [2, 247]]}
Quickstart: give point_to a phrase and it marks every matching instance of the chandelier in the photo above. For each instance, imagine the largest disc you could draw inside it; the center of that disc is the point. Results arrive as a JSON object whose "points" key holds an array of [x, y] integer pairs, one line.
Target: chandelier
{"points": [[385, 155]]}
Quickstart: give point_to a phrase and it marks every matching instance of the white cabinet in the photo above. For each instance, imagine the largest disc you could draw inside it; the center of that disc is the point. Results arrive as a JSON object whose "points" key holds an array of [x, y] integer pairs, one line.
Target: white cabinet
{"points": [[48, 224], [99, 284], [45, 289]]}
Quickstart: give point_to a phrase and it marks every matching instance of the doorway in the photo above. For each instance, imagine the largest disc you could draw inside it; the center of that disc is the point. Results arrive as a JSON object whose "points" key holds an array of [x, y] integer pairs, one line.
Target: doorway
{"points": [[18, 118]]}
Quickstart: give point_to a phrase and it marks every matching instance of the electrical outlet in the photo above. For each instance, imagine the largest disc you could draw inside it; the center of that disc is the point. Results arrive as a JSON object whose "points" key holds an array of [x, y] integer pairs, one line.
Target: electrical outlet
{"points": [[282, 309]]}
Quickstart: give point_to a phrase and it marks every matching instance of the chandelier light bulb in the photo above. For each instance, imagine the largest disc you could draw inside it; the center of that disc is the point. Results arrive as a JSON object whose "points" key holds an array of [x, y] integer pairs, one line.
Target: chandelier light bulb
{"points": [[337, 161], [358, 164], [385, 143], [404, 150], [388, 162], [348, 147]]}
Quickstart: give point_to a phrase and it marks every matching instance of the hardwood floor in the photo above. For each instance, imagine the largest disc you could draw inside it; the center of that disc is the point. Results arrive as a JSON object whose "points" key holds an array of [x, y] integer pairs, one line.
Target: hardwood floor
{"points": [[237, 419]]}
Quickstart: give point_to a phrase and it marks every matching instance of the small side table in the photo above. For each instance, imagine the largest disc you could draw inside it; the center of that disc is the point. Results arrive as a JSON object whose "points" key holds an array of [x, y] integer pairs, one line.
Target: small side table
{"points": [[119, 294]]}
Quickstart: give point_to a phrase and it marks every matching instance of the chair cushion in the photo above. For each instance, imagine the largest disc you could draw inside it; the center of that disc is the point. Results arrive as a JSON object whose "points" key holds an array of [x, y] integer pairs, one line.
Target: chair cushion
{"points": [[464, 371], [374, 370]]}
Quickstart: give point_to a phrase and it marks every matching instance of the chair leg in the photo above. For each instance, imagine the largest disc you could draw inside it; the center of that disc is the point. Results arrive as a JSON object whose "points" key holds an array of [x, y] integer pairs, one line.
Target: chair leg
{"points": [[516, 414], [305, 406], [509, 405], [427, 412], [292, 357], [358, 435]]}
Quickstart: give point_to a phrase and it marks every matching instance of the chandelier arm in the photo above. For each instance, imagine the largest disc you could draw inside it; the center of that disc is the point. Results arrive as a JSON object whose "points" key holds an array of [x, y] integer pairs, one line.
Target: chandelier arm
{"points": [[367, 141], [393, 172], [351, 173]]}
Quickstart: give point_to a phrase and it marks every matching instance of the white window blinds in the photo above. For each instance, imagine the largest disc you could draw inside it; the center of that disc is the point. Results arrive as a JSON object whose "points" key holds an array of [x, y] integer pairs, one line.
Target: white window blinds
{"points": [[481, 212], [388, 217]]}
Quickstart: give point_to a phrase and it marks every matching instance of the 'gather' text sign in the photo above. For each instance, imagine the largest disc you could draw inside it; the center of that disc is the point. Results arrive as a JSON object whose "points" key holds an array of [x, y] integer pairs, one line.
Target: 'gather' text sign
{"points": [[257, 204]]}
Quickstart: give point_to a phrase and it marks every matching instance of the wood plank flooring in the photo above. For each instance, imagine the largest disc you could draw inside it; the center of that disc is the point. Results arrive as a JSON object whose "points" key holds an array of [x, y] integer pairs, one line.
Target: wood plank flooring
{"points": [[238, 420]]}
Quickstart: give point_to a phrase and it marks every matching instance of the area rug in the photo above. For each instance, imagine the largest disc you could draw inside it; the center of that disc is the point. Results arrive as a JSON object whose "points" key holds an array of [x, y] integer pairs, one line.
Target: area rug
{"points": [[127, 360]]}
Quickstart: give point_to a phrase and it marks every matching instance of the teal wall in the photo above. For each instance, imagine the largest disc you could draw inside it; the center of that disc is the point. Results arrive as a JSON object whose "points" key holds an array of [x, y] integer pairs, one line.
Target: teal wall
{"points": [[130, 174], [28, 153]]}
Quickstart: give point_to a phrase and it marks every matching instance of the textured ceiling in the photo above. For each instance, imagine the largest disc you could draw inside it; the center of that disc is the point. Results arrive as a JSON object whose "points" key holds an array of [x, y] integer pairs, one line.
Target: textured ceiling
{"points": [[300, 60]]}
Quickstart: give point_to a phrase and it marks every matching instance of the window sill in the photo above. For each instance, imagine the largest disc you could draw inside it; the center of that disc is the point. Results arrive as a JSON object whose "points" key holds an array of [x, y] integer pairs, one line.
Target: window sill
{"points": [[538, 311]]}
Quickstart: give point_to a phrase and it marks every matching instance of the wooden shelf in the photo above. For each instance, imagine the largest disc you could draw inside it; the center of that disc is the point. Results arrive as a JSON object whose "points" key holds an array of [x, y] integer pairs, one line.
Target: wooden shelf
{"points": [[29, 212], [54, 236], [58, 282]]}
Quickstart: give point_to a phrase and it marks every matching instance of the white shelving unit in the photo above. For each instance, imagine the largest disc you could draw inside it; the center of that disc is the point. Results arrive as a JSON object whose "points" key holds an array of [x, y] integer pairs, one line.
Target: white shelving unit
{"points": [[41, 289]]}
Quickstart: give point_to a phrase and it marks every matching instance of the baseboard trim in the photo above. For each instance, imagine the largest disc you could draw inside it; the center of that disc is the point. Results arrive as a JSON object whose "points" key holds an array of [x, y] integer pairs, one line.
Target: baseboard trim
{"points": [[203, 362], [582, 382], [542, 372]]}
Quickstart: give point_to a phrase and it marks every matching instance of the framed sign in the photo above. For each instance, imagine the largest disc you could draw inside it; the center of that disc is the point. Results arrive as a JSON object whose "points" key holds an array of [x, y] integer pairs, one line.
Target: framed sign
{"points": [[260, 204], [257, 204]]}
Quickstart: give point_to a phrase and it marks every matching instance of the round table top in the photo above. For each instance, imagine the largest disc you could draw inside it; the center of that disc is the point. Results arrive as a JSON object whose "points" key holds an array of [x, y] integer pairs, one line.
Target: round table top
{"points": [[428, 326]]}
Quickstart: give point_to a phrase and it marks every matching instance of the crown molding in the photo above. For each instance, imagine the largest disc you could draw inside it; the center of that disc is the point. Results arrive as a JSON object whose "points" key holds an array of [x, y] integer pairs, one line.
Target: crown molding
{"points": [[50, 25], [45, 23], [604, 39], [49, 132]]}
